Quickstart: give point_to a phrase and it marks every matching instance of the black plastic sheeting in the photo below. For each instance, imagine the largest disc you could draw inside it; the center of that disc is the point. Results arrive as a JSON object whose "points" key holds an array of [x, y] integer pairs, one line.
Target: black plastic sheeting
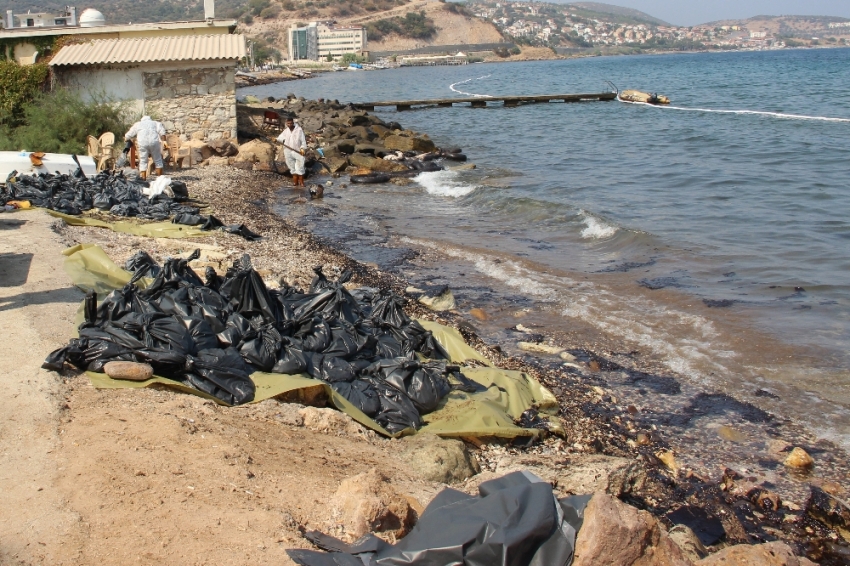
{"points": [[211, 334], [110, 191], [515, 521]]}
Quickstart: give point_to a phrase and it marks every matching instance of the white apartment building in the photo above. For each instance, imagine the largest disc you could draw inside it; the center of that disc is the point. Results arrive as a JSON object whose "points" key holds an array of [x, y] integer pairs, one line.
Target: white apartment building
{"points": [[317, 40]]}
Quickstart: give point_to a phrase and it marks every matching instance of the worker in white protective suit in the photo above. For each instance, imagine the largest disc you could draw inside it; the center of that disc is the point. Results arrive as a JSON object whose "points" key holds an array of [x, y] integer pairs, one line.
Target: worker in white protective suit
{"points": [[149, 135], [294, 146]]}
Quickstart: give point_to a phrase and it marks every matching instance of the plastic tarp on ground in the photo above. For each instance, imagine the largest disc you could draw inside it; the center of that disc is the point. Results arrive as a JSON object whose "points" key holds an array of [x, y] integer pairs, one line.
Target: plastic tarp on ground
{"points": [[516, 520], [491, 412], [151, 230]]}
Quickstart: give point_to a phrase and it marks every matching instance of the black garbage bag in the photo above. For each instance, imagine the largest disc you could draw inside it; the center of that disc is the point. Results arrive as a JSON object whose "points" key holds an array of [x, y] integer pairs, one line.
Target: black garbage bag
{"points": [[315, 335], [175, 302], [387, 308], [99, 352], [124, 209], [329, 368], [336, 301], [346, 342], [291, 358], [201, 332], [361, 394], [424, 385], [210, 306], [73, 353], [177, 269], [388, 346], [163, 332], [260, 348], [320, 281], [142, 263], [222, 374], [212, 223], [212, 279], [397, 412], [104, 201], [180, 190], [416, 339], [188, 219], [248, 294], [241, 230], [122, 302], [514, 521], [235, 328]]}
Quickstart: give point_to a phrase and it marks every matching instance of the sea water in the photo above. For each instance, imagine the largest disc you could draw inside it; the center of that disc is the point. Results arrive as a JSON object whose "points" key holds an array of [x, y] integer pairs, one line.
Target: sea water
{"points": [[710, 237]]}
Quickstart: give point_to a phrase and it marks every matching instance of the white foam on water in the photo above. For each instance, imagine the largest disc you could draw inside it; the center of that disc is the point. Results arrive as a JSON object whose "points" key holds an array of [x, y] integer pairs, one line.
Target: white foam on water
{"points": [[689, 344], [444, 184], [596, 228], [779, 115], [453, 85]]}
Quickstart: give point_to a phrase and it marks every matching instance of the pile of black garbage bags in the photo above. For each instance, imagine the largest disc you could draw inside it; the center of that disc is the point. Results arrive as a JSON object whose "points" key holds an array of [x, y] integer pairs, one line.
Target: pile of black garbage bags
{"points": [[108, 191], [111, 192], [210, 335]]}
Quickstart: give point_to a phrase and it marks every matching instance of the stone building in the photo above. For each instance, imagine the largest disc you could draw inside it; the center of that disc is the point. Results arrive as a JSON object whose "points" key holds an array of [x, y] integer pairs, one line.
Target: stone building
{"points": [[186, 82]]}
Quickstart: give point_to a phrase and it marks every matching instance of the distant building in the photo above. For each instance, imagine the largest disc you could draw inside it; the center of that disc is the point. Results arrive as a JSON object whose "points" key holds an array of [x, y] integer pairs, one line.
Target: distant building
{"points": [[319, 40], [758, 34]]}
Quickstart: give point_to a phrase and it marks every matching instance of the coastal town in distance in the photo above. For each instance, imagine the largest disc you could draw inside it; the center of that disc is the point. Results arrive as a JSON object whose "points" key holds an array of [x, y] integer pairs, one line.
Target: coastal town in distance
{"points": [[589, 25]]}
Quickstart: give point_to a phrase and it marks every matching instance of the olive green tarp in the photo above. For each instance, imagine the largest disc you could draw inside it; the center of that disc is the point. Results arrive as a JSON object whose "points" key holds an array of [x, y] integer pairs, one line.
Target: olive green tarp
{"points": [[150, 229], [484, 414]]}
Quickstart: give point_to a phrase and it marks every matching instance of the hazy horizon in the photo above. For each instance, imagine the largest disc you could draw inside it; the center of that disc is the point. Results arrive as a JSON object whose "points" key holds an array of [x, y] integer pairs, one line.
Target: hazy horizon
{"points": [[689, 12]]}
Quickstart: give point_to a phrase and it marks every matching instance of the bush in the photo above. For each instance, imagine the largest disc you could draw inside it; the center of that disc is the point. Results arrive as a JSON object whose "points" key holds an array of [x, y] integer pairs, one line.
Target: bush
{"points": [[58, 122], [19, 85], [270, 12], [415, 25], [257, 6]]}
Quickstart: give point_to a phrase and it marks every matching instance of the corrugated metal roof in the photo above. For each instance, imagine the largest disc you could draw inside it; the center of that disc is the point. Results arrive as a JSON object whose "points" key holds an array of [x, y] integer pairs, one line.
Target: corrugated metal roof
{"points": [[152, 49]]}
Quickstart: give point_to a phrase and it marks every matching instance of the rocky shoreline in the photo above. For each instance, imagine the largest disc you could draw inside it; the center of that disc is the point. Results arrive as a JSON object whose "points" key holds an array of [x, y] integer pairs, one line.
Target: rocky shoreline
{"points": [[607, 447]]}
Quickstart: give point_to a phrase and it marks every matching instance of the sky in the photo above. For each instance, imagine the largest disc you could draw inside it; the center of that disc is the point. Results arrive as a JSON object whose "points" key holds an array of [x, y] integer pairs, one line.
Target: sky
{"points": [[692, 12]]}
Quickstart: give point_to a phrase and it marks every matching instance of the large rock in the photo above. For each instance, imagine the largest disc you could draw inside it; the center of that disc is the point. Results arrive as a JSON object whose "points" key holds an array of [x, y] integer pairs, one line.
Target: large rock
{"points": [[616, 533], [359, 119], [368, 503], [335, 164], [223, 147], [361, 133], [438, 459], [257, 151], [345, 146], [370, 149], [199, 150], [592, 473], [768, 554], [830, 511], [368, 162], [381, 130], [404, 143]]}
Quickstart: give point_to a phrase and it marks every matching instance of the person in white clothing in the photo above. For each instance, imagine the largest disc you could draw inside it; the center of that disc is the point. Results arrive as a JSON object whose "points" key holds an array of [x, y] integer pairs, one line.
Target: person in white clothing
{"points": [[295, 144], [148, 135]]}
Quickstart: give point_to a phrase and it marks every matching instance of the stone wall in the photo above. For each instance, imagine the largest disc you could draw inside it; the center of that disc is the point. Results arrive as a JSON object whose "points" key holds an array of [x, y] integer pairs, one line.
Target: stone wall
{"points": [[193, 100]]}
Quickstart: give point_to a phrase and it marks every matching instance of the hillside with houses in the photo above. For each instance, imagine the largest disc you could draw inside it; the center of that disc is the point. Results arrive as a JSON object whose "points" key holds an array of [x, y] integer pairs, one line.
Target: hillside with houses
{"points": [[595, 25]]}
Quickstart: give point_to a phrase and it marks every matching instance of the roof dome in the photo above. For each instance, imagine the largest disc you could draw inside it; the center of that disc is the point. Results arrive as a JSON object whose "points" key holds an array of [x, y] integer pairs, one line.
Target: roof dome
{"points": [[91, 18]]}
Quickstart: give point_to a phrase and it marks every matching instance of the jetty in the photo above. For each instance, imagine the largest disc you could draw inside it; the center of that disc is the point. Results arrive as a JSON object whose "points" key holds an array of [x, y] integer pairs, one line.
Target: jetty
{"points": [[484, 101]]}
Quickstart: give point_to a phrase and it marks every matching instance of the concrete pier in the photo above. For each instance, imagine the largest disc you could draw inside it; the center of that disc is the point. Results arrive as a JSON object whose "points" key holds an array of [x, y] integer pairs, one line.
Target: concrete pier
{"points": [[481, 101]]}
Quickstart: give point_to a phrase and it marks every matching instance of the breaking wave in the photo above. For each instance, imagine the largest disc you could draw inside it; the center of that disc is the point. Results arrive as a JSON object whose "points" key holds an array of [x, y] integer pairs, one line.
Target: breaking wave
{"points": [[595, 227], [444, 184]]}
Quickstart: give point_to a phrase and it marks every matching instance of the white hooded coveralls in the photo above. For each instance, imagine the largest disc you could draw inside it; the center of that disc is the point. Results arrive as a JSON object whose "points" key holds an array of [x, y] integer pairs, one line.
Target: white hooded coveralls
{"points": [[147, 134]]}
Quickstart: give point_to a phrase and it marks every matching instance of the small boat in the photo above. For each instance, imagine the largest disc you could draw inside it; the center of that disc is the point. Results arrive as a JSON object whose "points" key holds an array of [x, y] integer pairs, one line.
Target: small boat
{"points": [[644, 97], [355, 67]]}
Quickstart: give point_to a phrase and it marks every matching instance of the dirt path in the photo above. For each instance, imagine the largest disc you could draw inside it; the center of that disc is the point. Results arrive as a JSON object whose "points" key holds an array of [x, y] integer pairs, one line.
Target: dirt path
{"points": [[150, 476], [37, 306]]}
